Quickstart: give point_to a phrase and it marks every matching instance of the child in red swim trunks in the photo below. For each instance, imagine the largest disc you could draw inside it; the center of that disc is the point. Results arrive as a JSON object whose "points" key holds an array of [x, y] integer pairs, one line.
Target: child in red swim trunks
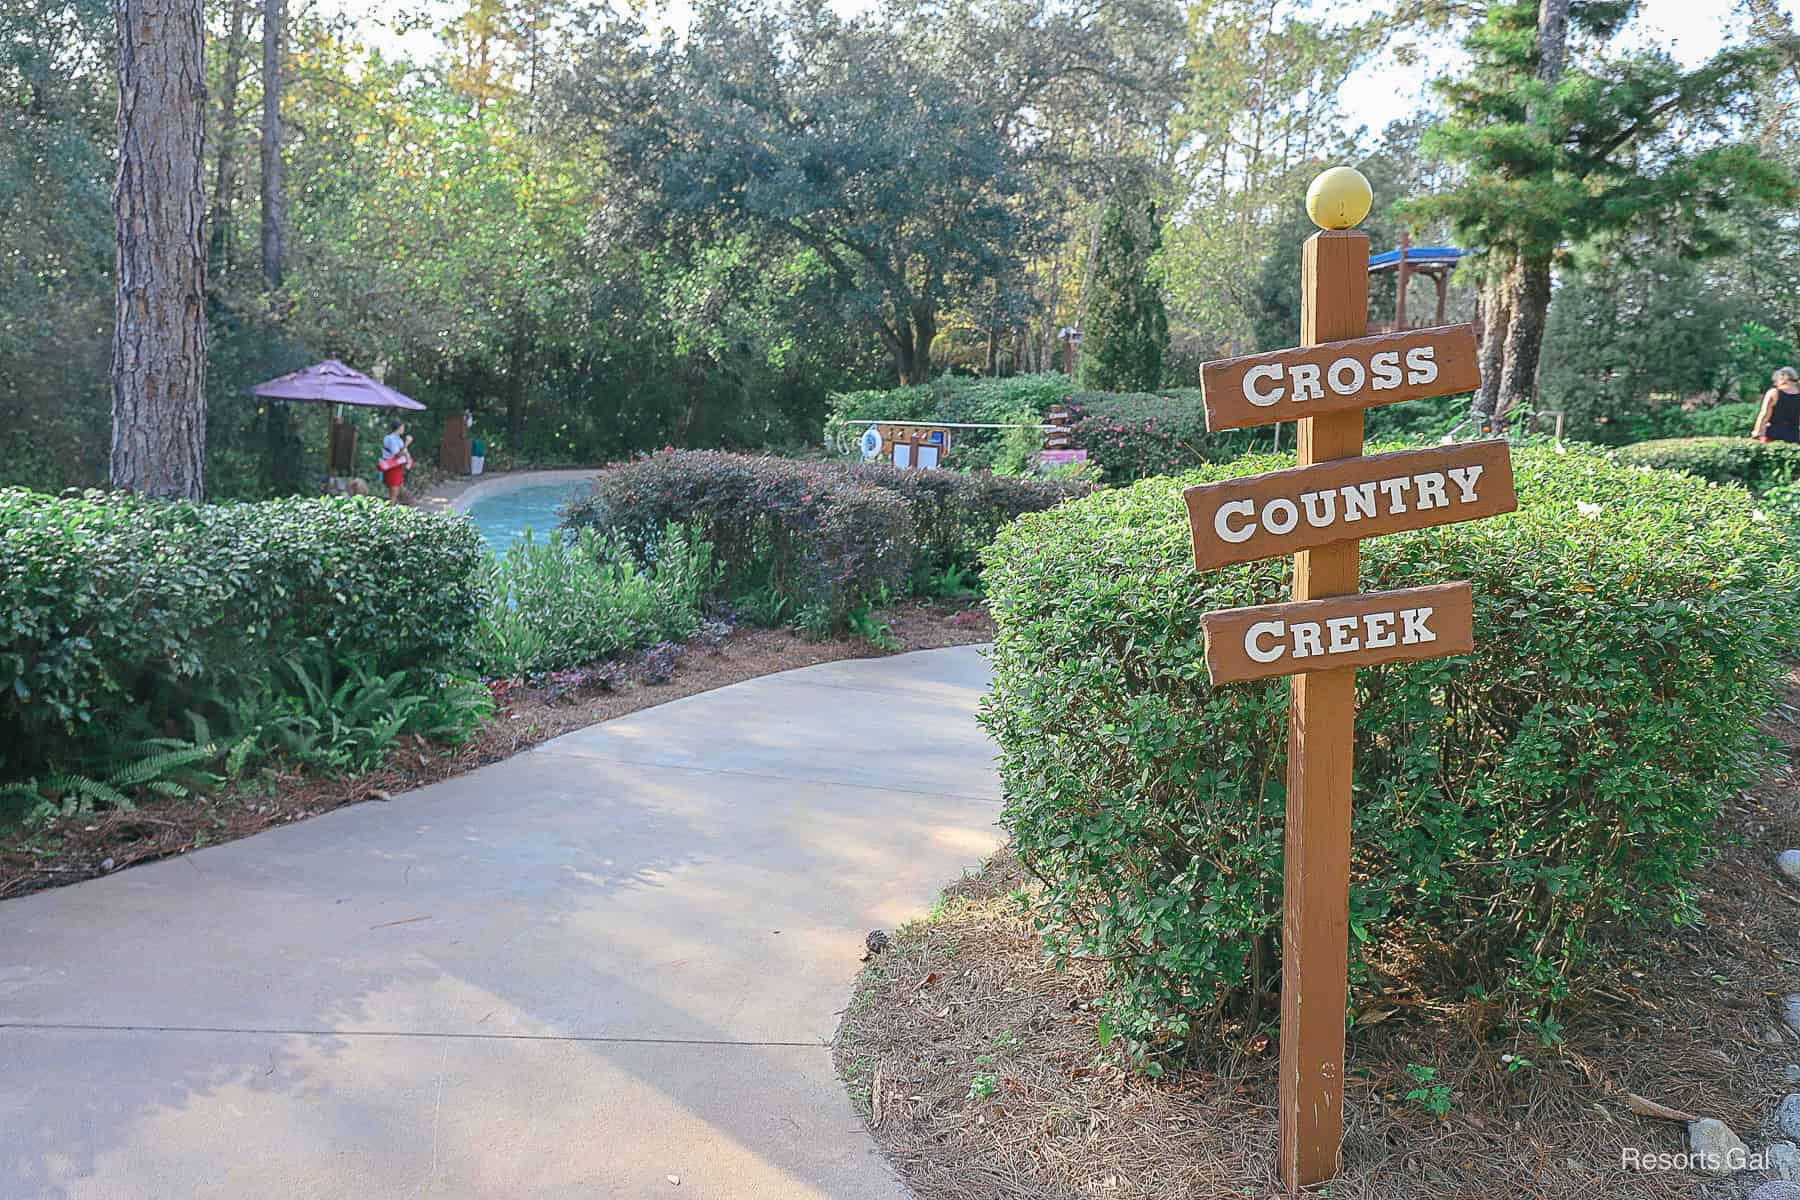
{"points": [[396, 457]]}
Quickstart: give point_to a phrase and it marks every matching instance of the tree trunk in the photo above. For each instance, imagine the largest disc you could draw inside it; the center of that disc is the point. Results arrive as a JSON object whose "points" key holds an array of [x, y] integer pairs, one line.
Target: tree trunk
{"points": [[159, 206], [1552, 40], [1526, 287], [274, 208], [1497, 312], [224, 197], [1529, 295]]}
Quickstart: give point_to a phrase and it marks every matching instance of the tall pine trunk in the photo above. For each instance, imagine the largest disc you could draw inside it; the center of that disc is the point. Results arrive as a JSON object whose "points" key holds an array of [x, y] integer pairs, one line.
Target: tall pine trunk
{"points": [[1527, 284], [223, 240], [274, 208], [159, 206], [1529, 294], [1496, 298]]}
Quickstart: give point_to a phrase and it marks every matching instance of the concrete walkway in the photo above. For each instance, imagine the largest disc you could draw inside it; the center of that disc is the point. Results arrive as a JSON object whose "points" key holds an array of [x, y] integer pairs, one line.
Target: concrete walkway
{"points": [[606, 962]]}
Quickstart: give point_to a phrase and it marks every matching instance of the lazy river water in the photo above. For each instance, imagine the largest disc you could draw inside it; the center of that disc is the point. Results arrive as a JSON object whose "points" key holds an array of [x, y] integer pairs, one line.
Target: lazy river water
{"points": [[504, 517]]}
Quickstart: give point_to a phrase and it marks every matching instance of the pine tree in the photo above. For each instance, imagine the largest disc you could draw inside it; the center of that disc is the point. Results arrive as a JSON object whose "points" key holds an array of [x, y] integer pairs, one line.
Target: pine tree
{"points": [[1127, 328], [1558, 152]]}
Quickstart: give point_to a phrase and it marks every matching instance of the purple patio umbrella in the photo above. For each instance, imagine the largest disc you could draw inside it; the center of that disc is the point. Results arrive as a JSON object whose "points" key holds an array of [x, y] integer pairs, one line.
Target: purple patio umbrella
{"points": [[331, 382]]}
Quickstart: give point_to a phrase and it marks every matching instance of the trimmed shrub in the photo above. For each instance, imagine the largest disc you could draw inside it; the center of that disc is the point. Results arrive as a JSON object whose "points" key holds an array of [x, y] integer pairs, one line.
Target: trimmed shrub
{"points": [[111, 605], [1631, 628], [822, 536], [1134, 435], [1758, 466]]}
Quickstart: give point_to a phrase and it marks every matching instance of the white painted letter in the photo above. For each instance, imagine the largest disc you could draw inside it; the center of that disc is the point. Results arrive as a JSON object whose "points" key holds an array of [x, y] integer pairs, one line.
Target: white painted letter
{"points": [[1415, 628], [1306, 382], [1315, 518], [1263, 629], [1385, 370], [1306, 639], [1290, 516], [1359, 500], [1393, 488], [1380, 627], [1256, 396], [1465, 478], [1421, 364], [1339, 368], [1429, 488], [1225, 532], [1342, 634]]}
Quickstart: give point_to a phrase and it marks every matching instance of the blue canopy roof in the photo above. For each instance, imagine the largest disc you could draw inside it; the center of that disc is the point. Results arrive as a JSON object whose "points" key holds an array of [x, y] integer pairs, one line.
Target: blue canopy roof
{"points": [[1417, 256]]}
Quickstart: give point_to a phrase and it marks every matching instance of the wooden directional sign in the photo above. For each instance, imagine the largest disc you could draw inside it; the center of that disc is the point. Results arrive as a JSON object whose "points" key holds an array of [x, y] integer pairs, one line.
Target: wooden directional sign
{"points": [[1284, 512], [1318, 512], [1310, 381], [1345, 631]]}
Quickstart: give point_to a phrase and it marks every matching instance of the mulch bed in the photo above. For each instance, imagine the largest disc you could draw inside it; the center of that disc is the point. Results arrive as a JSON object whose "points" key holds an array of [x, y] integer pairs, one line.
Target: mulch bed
{"points": [[979, 1071], [79, 848]]}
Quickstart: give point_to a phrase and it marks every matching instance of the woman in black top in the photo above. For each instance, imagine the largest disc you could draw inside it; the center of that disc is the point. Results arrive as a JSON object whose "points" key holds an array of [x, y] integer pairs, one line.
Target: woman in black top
{"points": [[1779, 418]]}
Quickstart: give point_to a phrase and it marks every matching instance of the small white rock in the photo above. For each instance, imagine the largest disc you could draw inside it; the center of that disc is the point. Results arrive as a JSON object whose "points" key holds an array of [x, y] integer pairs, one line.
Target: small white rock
{"points": [[1714, 1141], [1784, 1161], [1789, 863], [1791, 1072], [1787, 1115], [1792, 1014], [674, 1179], [1779, 1190]]}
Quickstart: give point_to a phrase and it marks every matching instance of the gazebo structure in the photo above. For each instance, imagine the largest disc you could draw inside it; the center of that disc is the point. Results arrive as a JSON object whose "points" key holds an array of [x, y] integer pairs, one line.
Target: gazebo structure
{"points": [[1434, 262], [331, 382]]}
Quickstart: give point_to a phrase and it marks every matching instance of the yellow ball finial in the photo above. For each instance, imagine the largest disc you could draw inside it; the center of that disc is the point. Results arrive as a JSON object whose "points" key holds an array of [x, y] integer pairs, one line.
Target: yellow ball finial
{"points": [[1339, 198]]}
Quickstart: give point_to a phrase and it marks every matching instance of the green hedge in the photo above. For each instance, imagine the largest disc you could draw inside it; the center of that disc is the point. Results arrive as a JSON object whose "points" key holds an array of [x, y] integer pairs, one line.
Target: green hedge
{"points": [[1632, 627], [1672, 421], [114, 608], [1758, 466], [822, 537]]}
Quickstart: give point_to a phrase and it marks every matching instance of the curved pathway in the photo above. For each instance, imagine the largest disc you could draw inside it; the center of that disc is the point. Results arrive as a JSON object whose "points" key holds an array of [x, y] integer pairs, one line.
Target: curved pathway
{"points": [[602, 964]]}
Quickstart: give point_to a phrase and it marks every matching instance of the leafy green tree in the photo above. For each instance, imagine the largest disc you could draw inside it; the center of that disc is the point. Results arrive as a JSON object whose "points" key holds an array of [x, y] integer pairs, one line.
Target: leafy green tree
{"points": [[1558, 152], [1633, 326], [910, 174], [1127, 328]]}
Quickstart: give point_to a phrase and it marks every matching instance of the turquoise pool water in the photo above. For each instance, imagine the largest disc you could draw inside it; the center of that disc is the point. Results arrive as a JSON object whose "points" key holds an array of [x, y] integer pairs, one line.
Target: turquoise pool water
{"points": [[502, 519]]}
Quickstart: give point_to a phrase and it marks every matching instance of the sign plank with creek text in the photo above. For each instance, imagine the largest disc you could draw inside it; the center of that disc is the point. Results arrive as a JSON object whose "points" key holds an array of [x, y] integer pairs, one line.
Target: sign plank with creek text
{"points": [[1345, 631], [1304, 508], [1346, 376]]}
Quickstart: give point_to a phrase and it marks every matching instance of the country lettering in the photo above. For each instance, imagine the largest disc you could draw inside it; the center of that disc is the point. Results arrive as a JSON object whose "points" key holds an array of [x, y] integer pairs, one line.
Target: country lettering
{"points": [[1239, 520]]}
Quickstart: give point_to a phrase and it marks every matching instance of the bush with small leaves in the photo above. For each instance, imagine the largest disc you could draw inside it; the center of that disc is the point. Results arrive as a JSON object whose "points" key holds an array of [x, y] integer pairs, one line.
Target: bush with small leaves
{"points": [[1758, 466], [1631, 628]]}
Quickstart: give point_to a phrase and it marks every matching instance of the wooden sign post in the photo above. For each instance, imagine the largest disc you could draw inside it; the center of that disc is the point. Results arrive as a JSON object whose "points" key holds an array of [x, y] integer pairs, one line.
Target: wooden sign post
{"points": [[1318, 512]]}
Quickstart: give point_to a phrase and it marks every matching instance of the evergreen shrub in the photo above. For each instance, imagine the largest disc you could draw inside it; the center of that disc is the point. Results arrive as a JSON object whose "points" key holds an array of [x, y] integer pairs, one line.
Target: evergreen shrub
{"points": [[824, 536], [1758, 466], [1631, 628], [113, 606]]}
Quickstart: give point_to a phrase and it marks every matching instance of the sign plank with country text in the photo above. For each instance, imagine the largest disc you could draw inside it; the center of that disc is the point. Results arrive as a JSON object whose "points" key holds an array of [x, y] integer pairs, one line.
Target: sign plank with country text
{"points": [[1303, 508], [1346, 376]]}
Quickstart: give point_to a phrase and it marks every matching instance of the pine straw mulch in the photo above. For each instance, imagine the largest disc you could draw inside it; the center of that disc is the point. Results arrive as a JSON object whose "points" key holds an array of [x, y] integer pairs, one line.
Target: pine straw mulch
{"points": [[80, 848], [1690, 1021]]}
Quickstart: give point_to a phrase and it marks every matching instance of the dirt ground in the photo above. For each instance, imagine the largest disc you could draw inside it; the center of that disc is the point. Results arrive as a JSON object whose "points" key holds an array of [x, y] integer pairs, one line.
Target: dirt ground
{"points": [[979, 1071], [80, 848]]}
